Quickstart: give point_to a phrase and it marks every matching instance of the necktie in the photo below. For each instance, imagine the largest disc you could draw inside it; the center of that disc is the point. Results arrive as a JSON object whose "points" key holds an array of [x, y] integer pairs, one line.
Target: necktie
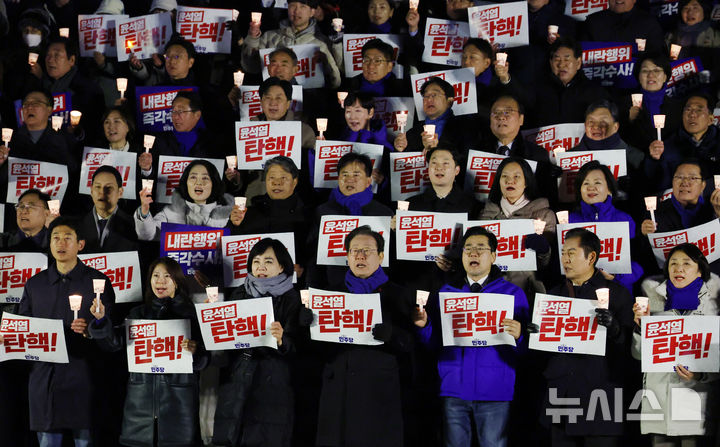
{"points": [[475, 288], [504, 150], [101, 227]]}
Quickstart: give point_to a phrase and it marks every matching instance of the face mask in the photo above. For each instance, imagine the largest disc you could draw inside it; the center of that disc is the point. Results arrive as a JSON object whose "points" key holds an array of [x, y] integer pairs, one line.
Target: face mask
{"points": [[32, 40]]}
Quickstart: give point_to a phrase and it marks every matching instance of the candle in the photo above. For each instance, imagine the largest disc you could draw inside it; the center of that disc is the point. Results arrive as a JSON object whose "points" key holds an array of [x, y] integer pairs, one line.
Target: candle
{"points": [[75, 117], [238, 77], [241, 202], [57, 122], [501, 58], [321, 125], [337, 24], [147, 184], [98, 287], [558, 150], [54, 206], [552, 30], [659, 124], [421, 298], [212, 294], [539, 225], [341, 98], [562, 217], [75, 303], [148, 142], [33, 58], [305, 298], [7, 136], [64, 32], [643, 303], [429, 129], [717, 181], [403, 205], [122, 86], [256, 17], [231, 161], [401, 118], [636, 99], [235, 14], [675, 51], [651, 205], [640, 44], [414, 4], [603, 296]]}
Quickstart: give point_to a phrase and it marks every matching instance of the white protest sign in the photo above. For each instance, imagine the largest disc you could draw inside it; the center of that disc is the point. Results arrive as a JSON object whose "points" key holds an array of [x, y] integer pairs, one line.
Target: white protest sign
{"points": [[580, 9], [505, 25], [235, 250], [571, 162], [170, 170], [703, 236], [257, 141], [122, 269], [444, 40], [475, 319], [481, 170], [614, 243], [30, 338], [329, 152], [206, 28], [567, 325], [511, 252], [334, 229], [690, 341], [344, 317], [124, 162], [237, 324], [155, 346], [143, 36], [421, 236], [50, 178], [96, 33], [463, 82], [408, 175], [567, 135], [352, 51], [15, 270], [310, 73], [387, 108], [250, 101]]}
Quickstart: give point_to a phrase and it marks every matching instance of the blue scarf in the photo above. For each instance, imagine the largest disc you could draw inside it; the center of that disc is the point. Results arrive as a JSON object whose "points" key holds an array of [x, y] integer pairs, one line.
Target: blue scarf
{"points": [[383, 28], [367, 285], [374, 88], [440, 121], [685, 298], [687, 215], [187, 140], [652, 101], [354, 202], [484, 78]]}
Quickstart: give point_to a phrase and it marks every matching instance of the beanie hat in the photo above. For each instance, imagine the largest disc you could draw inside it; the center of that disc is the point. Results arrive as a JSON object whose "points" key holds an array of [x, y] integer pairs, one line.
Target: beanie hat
{"points": [[39, 18], [112, 7], [165, 5]]}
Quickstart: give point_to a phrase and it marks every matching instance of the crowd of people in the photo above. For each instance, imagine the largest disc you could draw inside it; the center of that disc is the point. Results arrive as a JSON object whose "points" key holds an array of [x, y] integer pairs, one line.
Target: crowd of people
{"points": [[410, 389]]}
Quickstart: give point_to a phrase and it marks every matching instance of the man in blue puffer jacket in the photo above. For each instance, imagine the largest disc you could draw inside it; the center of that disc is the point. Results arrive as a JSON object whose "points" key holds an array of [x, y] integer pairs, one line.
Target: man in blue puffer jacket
{"points": [[476, 382]]}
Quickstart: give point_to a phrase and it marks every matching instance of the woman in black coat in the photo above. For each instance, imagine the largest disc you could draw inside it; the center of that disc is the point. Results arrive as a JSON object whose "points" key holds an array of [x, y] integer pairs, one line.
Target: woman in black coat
{"points": [[255, 399]]}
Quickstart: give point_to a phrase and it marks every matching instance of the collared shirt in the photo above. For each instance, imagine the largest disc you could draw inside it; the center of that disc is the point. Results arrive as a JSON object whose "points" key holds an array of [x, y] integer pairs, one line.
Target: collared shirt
{"points": [[105, 232]]}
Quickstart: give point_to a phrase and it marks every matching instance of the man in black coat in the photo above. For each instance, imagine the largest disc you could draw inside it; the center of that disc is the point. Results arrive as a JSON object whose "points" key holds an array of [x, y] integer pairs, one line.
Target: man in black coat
{"points": [[32, 212], [624, 21], [577, 376]]}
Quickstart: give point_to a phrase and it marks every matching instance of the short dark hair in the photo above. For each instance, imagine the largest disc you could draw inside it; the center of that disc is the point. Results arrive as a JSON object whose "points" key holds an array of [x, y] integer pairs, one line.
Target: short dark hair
{"points": [[482, 45], [446, 87], [355, 157], [480, 231], [531, 189], [604, 104], [177, 275], [583, 173], [310, 3], [703, 4], [130, 122], [187, 45], [589, 242], [658, 59], [710, 100], [281, 253], [49, 99], [521, 107], [385, 48], [366, 100], [275, 81], [692, 161], [365, 230], [566, 42], [109, 170], [193, 97], [45, 198], [693, 253], [71, 48], [284, 50], [218, 187], [71, 222], [284, 162], [453, 153]]}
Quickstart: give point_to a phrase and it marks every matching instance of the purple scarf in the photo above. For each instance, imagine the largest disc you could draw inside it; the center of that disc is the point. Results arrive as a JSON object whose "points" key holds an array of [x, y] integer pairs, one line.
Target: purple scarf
{"points": [[354, 202], [374, 88], [440, 121], [652, 101], [685, 298], [687, 215], [186, 140], [383, 28], [367, 285], [484, 78]]}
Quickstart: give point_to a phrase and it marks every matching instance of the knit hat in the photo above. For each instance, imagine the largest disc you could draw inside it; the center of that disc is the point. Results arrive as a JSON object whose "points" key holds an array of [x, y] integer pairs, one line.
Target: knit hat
{"points": [[39, 18], [111, 7], [165, 5]]}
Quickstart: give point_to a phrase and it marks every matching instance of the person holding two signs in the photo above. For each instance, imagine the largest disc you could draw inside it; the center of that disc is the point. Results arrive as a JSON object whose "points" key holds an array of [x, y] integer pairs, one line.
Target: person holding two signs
{"points": [[476, 384]]}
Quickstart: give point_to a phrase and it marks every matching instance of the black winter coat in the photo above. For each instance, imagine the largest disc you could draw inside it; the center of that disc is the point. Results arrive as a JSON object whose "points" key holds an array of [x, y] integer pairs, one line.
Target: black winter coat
{"points": [[556, 103], [608, 26], [360, 403], [255, 399]]}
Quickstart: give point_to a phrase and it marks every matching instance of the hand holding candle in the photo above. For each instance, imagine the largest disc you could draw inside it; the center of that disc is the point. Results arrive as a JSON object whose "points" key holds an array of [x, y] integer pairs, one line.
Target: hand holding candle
{"points": [[716, 179], [414, 4], [341, 98], [603, 297], [552, 30], [501, 58], [563, 217], [675, 51], [651, 205], [659, 121], [305, 298], [75, 118], [636, 99], [238, 78], [422, 298], [337, 24], [75, 303], [212, 294], [33, 58], [7, 136], [256, 18], [231, 161], [241, 202], [401, 118], [98, 288], [643, 304], [640, 44], [147, 185], [148, 142]]}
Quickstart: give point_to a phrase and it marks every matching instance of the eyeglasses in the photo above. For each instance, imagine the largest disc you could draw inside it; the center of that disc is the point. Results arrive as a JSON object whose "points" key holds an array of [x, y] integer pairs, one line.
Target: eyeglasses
{"points": [[682, 178], [26, 207], [355, 252], [369, 61], [174, 57], [695, 110], [180, 112], [470, 250], [654, 71], [27, 105], [503, 113], [433, 96], [355, 174]]}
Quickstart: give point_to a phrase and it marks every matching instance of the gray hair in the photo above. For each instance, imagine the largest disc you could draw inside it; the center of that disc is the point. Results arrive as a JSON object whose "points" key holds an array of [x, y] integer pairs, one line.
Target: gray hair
{"points": [[285, 163]]}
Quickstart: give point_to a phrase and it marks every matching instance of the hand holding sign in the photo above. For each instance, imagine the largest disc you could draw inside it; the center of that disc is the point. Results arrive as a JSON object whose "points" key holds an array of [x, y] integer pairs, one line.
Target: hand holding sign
{"points": [[97, 309], [276, 330]]}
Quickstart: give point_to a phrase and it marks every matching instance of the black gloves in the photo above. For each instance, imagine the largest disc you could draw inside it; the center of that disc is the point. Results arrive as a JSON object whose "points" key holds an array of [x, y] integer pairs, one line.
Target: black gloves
{"points": [[305, 317], [532, 328], [382, 332], [537, 242], [605, 318]]}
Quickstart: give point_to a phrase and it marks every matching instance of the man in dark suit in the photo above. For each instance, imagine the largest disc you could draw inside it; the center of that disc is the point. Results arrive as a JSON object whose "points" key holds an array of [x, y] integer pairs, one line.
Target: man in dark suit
{"points": [[106, 227]]}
